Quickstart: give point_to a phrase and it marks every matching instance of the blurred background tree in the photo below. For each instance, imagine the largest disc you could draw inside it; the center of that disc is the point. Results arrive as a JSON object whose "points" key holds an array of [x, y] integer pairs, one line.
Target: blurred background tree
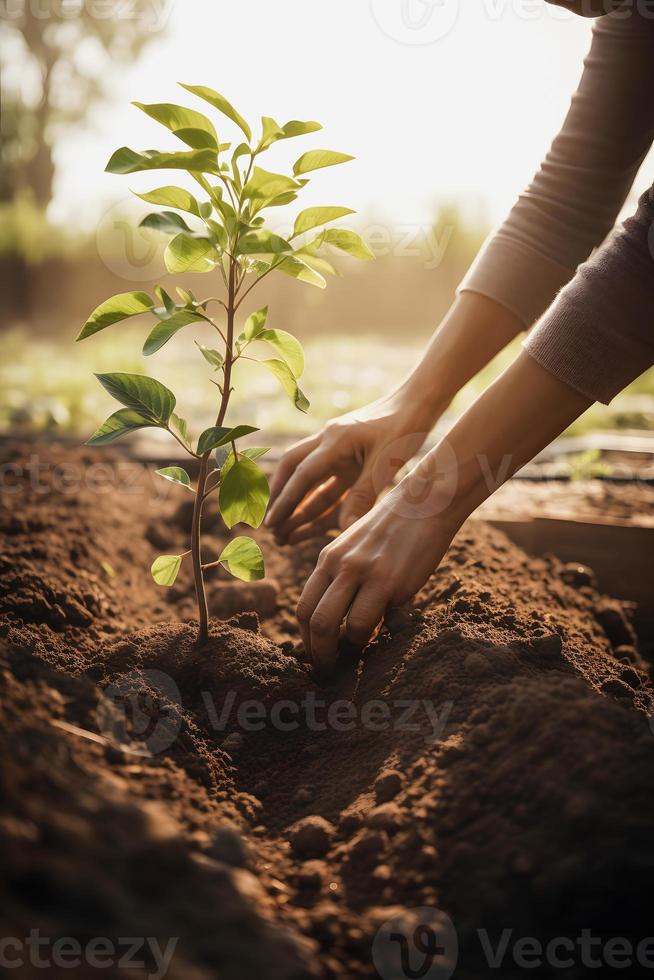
{"points": [[55, 61], [61, 60]]}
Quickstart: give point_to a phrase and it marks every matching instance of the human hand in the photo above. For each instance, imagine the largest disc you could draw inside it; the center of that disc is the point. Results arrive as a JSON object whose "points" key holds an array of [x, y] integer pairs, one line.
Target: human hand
{"points": [[380, 561], [331, 479]]}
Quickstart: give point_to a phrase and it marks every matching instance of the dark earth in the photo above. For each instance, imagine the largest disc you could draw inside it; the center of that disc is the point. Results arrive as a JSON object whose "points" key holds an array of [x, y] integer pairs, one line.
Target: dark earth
{"points": [[487, 758]]}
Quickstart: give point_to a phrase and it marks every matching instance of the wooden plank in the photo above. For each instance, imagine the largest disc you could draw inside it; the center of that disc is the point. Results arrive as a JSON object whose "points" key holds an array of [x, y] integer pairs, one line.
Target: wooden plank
{"points": [[620, 554]]}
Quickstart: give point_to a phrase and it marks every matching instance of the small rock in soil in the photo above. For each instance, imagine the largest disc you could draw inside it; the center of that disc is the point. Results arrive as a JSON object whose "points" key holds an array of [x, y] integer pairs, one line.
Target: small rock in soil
{"points": [[312, 876], [304, 794], [386, 817], [311, 836], [549, 645], [228, 846], [349, 822], [233, 743], [370, 844], [387, 785], [611, 617]]}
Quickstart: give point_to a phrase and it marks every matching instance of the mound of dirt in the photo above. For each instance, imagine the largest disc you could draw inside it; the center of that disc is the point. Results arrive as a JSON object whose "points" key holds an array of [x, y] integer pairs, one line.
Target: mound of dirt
{"points": [[484, 765]]}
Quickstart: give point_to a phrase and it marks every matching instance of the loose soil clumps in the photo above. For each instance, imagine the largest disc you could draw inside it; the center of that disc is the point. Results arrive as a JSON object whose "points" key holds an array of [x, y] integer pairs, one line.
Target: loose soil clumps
{"points": [[488, 757]]}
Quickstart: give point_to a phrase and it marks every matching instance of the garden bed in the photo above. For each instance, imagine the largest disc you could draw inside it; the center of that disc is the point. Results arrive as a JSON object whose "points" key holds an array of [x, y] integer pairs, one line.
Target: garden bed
{"points": [[489, 755]]}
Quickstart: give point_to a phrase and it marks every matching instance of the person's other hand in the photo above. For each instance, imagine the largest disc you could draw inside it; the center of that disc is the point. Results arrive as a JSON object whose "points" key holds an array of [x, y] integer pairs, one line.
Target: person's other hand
{"points": [[331, 479], [381, 561]]}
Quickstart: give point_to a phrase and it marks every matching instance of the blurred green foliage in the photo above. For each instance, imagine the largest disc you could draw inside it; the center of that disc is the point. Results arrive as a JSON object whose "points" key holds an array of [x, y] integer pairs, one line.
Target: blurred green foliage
{"points": [[57, 393], [25, 232]]}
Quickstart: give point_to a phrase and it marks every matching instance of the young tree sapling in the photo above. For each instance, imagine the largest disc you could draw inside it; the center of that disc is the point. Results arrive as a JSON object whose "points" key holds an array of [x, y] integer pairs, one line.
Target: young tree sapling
{"points": [[225, 233]]}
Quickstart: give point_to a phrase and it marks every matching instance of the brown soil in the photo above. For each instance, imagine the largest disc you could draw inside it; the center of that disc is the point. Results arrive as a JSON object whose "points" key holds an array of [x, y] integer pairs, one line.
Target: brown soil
{"points": [[493, 759]]}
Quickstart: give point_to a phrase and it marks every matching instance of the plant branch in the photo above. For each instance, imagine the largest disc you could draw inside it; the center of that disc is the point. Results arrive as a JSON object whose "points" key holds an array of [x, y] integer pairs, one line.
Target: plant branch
{"points": [[258, 280], [214, 324], [214, 299], [210, 489], [182, 443], [211, 564]]}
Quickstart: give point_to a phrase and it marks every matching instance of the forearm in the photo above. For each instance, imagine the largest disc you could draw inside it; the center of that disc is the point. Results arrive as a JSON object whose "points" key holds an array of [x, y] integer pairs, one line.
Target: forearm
{"points": [[574, 199], [514, 419], [474, 330]]}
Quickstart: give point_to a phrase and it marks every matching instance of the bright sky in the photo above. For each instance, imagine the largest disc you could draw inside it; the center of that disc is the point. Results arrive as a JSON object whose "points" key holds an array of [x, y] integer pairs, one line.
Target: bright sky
{"points": [[437, 99]]}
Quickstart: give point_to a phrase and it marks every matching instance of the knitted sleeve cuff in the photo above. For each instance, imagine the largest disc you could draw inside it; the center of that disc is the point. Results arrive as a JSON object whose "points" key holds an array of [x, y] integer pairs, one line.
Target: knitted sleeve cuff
{"points": [[516, 276]]}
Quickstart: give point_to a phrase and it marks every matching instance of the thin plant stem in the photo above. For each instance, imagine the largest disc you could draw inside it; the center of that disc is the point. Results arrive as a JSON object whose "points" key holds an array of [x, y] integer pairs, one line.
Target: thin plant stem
{"points": [[201, 493]]}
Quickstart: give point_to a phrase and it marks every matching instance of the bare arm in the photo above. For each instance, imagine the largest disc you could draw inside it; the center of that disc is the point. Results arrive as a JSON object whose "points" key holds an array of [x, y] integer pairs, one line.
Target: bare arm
{"points": [[386, 557], [332, 478]]}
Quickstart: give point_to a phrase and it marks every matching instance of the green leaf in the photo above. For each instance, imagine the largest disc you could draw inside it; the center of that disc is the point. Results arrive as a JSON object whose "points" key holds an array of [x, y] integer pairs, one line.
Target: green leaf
{"points": [[255, 323], [169, 304], [172, 197], [218, 435], [287, 346], [121, 423], [177, 117], [281, 200], [317, 263], [180, 427], [242, 557], [199, 139], [264, 186], [294, 127], [295, 267], [219, 234], [117, 308], [270, 131], [253, 452], [163, 331], [176, 474], [127, 161], [213, 357], [186, 296], [317, 159], [166, 222], [244, 493], [227, 212], [283, 374], [261, 242], [224, 455], [143, 394], [313, 217], [186, 254], [219, 102], [348, 241], [165, 569]]}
